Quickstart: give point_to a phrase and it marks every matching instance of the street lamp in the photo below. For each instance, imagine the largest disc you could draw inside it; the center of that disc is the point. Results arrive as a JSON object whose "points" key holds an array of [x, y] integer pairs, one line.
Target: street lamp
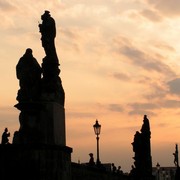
{"points": [[97, 130], [158, 168]]}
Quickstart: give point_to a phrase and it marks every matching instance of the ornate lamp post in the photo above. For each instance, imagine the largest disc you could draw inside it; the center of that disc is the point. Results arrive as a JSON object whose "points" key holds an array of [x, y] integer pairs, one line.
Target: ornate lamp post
{"points": [[97, 130], [158, 168]]}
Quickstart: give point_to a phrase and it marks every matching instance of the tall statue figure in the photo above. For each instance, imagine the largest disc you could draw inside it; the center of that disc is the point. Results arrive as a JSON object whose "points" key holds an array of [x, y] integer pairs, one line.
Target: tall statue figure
{"points": [[52, 89], [48, 33], [28, 71]]}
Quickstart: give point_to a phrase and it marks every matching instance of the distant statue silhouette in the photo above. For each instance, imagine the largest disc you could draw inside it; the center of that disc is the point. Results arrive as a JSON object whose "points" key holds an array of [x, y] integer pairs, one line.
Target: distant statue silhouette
{"points": [[142, 152], [146, 127], [48, 33], [28, 72], [119, 171], [113, 168], [5, 136], [91, 160], [176, 162]]}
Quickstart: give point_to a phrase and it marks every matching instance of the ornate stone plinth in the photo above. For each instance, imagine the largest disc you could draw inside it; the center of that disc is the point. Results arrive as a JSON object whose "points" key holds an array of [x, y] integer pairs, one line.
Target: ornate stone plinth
{"points": [[41, 123], [52, 123]]}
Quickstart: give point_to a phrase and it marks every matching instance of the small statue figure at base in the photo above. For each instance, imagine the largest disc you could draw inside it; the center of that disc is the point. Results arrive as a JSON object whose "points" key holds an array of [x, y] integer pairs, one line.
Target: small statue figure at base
{"points": [[5, 136]]}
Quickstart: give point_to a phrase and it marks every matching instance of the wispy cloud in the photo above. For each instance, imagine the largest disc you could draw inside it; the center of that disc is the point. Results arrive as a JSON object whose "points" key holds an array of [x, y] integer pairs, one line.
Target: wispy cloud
{"points": [[149, 61], [171, 104], [115, 107], [146, 61], [142, 112], [164, 46], [121, 76], [142, 108], [174, 86], [7, 6], [159, 89], [148, 106], [166, 7], [151, 15]]}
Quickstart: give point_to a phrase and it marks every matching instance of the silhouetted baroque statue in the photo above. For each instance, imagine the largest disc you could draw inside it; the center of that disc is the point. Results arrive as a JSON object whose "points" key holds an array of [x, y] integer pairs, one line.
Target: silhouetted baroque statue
{"points": [[176, 161], [146, 127], [51, 89], [41, 95], [5, 136], [28, 72], [137, 144], [48, 32], [142, 150]]}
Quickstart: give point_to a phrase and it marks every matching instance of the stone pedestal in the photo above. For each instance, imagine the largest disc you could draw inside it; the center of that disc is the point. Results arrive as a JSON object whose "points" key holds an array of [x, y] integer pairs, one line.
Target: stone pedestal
{"points": [[41, 123], [52, 123], [35, 162], [39, 150]]}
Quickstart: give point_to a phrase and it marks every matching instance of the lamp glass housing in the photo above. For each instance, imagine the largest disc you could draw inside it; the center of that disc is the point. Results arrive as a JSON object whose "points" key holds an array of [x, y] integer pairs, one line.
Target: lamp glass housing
{"points": [[97, 128]]}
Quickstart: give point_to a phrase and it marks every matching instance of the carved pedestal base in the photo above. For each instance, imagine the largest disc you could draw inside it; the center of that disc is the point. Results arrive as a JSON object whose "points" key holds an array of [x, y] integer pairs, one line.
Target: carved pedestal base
{"points": [[52, 123], [41, 123]]}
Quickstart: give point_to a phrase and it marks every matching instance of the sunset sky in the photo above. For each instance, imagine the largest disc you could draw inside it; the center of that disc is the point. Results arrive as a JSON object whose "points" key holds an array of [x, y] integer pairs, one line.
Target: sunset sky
{"points": [[120, 59]]}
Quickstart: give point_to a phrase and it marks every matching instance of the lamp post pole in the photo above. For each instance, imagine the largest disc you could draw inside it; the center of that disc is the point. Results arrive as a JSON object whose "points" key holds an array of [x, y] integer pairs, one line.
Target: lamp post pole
{"points": [[97, 130], [98, 161], [158, 167]]}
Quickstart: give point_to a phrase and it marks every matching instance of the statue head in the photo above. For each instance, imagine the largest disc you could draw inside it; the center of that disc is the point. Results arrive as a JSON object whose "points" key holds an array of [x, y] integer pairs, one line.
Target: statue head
{"points": [[47, 12], [45, 15], [28, 51]]}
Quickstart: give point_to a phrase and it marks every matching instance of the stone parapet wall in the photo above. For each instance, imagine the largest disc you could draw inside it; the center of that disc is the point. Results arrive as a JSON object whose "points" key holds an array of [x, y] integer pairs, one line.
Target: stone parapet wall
{"points": [[85, 172]]}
